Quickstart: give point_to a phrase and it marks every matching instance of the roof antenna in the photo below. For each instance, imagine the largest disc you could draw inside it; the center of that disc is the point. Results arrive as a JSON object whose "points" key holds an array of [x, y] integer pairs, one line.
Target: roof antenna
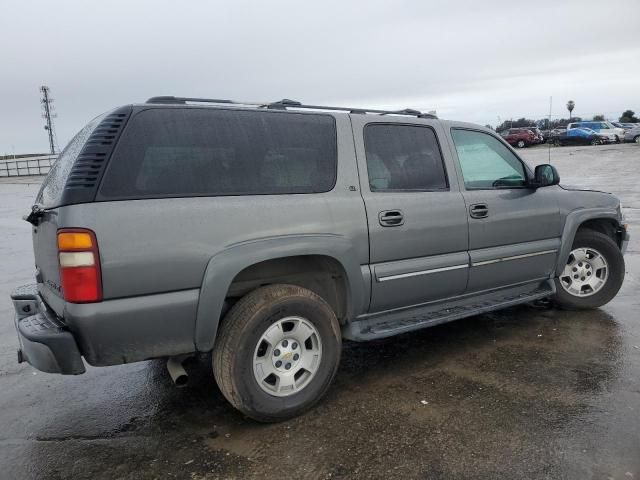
{"points": [[549, 125]]}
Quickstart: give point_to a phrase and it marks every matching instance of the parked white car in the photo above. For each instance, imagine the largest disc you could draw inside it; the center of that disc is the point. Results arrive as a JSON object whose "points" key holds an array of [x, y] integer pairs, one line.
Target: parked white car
{"points": [[632, 135], [625, 126], [615, 134]]}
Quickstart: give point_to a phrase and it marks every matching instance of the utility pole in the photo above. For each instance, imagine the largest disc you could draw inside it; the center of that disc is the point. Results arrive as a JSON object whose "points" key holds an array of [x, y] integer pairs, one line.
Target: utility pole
{"points": [[549, 126], [47, 114]]}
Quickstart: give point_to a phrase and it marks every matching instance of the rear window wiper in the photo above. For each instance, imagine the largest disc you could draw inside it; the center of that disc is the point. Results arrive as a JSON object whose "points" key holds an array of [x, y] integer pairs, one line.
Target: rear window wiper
{"points": [[35, 215]]}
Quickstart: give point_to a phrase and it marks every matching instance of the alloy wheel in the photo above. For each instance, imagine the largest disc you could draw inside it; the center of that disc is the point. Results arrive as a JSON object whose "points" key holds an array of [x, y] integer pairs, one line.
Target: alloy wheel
{"points": [[586, 272], [287, 356]]}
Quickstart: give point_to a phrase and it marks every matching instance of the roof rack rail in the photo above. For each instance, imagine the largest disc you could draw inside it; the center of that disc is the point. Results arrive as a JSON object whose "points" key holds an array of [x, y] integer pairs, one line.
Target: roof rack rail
{"points": [[184, 100], [287, 103]]}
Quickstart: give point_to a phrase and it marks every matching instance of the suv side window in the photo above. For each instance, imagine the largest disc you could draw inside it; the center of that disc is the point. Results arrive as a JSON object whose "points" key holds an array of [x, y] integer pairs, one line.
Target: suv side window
{"points": [[182, 152], [486, 162], [403, 158]]}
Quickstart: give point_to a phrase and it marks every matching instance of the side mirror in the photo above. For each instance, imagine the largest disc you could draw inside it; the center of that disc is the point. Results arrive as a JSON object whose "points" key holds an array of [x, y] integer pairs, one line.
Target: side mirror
{"points": [[546, 175]]}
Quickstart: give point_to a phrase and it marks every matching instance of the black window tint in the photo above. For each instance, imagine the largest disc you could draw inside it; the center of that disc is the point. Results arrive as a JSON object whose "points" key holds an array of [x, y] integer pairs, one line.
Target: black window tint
{"points": [[184, 152], [403, 157]]}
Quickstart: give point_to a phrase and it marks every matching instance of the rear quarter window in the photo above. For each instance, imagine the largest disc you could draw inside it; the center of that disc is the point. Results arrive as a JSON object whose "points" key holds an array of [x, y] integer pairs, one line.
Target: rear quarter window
{"points": [[210, 152], [403, 158], [50, 193]]}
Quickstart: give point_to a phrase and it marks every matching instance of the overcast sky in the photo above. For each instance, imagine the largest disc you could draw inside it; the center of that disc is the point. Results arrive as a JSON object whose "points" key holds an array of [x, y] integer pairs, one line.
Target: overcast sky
{"points": [[468, 60]]}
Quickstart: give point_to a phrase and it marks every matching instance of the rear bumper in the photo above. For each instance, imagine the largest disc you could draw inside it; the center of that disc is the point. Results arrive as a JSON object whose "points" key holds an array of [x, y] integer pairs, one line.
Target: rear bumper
{"points": [[45, 342], [111, 332]]}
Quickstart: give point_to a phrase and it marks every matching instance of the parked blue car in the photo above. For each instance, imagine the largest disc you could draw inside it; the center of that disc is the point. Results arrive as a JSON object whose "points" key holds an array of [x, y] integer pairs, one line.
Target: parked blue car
{"points": [[614, 134], [580, 136]]}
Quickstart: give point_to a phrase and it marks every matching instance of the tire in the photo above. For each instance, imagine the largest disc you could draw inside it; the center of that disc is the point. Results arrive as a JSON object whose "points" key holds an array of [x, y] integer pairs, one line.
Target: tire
{"points": [[592, 241], [240, 343], [636, 139], [557, 143], [521, 144], [595, 142]]}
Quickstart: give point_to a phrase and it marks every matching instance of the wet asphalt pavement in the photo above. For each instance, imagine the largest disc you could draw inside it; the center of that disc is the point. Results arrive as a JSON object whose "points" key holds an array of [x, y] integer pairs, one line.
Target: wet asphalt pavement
{"points": [[526, 393]]}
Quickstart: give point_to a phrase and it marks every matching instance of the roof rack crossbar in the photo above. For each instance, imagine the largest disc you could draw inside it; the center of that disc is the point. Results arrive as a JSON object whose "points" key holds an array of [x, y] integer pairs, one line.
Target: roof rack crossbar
{"points": [[284, 103], [287, 103]]}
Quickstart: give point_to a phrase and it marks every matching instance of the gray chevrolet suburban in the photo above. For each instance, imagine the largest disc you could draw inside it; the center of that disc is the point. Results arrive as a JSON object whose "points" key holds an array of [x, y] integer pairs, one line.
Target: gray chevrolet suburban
{"points": [[267, 233]]}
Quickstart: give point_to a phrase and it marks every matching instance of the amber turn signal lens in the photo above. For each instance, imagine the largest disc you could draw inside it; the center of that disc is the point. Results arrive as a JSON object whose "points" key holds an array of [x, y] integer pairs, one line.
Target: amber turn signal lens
{"points": [[74, 241]]}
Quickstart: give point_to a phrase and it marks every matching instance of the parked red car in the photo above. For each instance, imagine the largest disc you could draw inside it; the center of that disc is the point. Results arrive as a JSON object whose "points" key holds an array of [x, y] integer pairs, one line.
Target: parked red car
{"points": [[520, 137]]}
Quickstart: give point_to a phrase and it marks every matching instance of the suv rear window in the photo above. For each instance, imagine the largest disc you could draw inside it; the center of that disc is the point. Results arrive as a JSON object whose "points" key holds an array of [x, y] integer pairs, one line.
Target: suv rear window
{"points": [[209, 152], [50, 193], [403, 158]]}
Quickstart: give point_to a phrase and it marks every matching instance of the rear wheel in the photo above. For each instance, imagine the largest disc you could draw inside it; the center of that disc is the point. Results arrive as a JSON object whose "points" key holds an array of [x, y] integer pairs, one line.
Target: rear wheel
{"points": [[594, 141], [521, 144], [636, 139], [593, 273], [277, 352]]}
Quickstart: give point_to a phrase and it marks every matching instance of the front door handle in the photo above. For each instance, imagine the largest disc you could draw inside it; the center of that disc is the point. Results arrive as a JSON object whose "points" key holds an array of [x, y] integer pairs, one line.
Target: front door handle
{"points": [[391, 218], [479, 210]]}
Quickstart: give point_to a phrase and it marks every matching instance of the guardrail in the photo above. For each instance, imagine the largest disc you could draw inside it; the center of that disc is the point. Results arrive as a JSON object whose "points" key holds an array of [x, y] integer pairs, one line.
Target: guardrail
{"points": [[27, 166]]}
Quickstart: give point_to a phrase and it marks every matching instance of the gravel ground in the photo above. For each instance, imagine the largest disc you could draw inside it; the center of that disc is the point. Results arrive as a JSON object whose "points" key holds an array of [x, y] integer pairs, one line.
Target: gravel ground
{"points": [[528, 392]]}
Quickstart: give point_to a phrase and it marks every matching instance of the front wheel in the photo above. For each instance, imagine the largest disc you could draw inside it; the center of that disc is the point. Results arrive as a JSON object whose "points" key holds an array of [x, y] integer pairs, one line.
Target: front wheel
{"points": [[521, 144], [595, 141], [593, 274], [636, 139], [277, 352]]}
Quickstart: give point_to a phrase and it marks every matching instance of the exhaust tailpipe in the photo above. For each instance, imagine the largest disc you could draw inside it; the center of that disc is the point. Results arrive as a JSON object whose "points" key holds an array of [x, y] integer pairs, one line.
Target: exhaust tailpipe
{"points": [[177, 372]]}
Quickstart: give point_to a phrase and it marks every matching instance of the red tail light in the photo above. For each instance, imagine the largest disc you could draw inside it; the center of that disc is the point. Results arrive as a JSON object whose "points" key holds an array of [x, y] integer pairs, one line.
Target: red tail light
{"points": [[79, 261]]}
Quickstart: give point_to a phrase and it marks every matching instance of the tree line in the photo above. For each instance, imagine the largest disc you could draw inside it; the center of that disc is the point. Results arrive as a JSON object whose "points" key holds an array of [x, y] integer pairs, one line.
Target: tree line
{"points": [[628, 116]]}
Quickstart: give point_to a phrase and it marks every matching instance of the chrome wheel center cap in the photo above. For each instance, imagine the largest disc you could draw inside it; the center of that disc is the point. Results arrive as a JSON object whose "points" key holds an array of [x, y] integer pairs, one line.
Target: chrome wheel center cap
{"points": [[286, 355]]}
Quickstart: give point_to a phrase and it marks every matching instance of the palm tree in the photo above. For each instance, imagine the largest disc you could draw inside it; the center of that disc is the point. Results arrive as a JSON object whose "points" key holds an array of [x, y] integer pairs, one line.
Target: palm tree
{"points": [[570, 106]]}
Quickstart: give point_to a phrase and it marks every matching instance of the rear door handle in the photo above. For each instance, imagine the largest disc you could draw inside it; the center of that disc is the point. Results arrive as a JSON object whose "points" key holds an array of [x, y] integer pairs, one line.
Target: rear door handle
{"points": [[479, 210], [391, 218]]}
